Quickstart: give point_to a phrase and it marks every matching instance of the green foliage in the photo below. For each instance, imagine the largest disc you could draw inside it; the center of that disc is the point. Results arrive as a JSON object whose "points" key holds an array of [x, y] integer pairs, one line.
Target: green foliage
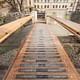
{"points": [[1, 18], [2, 1], [66, 17], [36, 10]]}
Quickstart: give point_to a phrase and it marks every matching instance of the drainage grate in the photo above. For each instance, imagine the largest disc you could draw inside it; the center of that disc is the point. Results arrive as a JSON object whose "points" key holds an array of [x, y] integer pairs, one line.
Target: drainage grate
{"points": [[41, 77]]}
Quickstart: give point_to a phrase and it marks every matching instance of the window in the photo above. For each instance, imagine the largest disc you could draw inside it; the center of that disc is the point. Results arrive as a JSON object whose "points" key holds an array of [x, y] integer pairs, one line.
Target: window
{"points": [[59, 6], [48, 1], [34, 6], [63, 6], [53, 6], [45, 0], [71, 5], [60, 0], [47, 6], [53, 0], [30, 2], [56, 1], [65, 1], [56, 6], [44, 6], [41, 0], [37, 0], [37, 6]]}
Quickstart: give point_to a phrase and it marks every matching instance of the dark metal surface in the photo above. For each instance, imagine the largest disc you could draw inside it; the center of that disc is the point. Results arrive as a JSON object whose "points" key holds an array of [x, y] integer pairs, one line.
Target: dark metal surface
{"points": [[41, 57]]}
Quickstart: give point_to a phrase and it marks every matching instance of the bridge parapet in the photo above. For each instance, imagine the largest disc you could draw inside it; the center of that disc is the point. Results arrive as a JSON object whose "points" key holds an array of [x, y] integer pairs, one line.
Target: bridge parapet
{"points": [[69, 25], [34, 13], [7, 29]]}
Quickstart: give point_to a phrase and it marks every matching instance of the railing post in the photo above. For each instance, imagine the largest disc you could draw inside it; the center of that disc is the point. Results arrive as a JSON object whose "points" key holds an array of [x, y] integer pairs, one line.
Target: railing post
{"points": [[47, 19], [34, 13]]}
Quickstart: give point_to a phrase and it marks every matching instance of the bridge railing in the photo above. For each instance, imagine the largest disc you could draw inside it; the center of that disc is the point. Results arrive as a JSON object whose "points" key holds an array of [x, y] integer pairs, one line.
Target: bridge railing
{"points": [[69, 25], [7, 29]]}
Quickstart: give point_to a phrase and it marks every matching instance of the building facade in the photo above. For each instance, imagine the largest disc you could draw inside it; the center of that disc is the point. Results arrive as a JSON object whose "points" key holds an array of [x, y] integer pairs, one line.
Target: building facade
{"points": [[78, 6], [53, 6], [43, 5]]}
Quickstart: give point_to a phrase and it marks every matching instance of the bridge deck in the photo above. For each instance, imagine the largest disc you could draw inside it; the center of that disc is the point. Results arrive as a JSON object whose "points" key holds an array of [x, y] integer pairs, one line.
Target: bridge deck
{"points": [[41, 56]]}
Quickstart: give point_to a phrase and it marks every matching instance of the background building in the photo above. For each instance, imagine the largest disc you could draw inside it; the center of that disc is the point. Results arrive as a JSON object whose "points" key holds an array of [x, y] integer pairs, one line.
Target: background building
{"points": [[78, 6], [75, 16], [57, 7]]}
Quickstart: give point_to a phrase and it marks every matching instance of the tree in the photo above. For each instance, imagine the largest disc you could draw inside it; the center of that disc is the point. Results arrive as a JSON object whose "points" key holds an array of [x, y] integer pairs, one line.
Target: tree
{"points": [[16, 5], [2, 2]]}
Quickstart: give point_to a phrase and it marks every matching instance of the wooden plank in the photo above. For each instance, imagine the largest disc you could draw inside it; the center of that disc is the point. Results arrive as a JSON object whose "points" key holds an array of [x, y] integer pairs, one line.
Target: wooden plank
{"points": [[7, 29]]}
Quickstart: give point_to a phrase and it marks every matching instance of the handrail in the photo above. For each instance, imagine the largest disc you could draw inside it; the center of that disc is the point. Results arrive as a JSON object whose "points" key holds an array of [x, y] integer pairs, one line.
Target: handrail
{"points": [[7, 29], [73, 27]]}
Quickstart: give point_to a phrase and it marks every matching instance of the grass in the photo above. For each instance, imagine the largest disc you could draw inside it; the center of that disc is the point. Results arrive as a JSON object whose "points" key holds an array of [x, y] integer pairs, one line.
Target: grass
{"points": [[1, 19], [66, 17]]}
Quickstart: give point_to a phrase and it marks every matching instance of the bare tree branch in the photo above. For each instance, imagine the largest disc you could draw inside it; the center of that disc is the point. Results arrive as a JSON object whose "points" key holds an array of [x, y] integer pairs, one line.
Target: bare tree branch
{"points": [[16, 4]]}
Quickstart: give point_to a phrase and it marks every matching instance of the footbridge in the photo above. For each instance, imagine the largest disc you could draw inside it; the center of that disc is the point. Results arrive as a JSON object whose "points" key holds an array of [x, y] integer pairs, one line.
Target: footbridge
{"points": [[41, 55]]}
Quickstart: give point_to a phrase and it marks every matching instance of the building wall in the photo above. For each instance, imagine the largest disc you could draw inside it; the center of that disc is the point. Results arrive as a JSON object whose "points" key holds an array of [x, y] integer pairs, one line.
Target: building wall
{"points": [[42, 5], [65, 6], [78, 6], [75, 5], [56, 12]]}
